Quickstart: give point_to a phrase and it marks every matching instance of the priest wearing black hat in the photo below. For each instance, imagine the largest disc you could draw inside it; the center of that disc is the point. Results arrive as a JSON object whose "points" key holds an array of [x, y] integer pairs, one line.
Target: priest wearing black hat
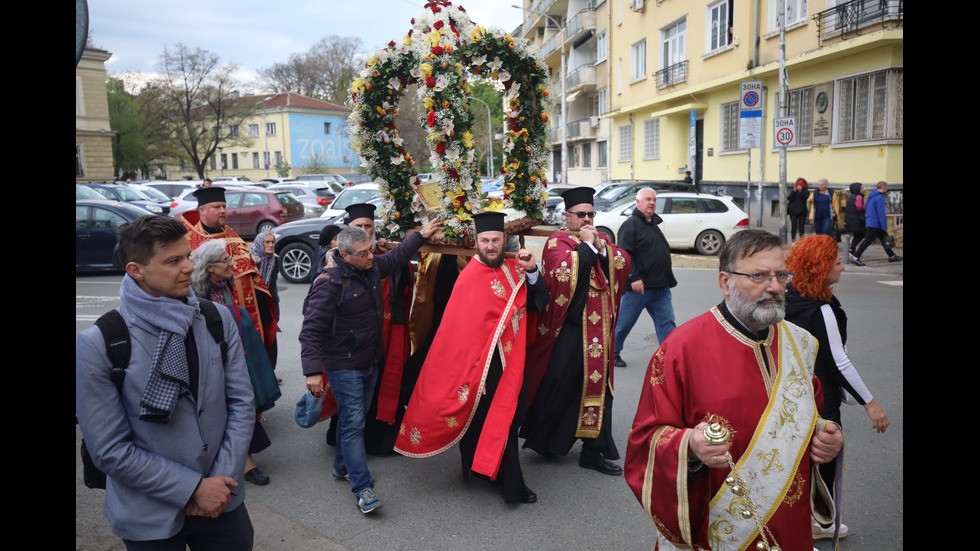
{"points": [[470, 390], [210, 221], [570, 364]]}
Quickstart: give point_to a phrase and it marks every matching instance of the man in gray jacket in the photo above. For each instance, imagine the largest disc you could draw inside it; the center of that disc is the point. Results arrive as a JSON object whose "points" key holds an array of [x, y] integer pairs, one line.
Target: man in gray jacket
{"points": [[172, 439]]}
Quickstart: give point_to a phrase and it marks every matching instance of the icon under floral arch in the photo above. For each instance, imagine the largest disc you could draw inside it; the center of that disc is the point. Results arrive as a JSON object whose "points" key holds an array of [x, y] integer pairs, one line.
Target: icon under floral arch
{"points": [[440, 53]]}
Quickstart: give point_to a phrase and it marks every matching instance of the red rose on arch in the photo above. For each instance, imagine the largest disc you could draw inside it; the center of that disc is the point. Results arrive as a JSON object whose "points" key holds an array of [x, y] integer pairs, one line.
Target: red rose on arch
{"points": [[430, 82], [438, 24], [441, 148], [438, 50], [431, 119], [453, 174]]}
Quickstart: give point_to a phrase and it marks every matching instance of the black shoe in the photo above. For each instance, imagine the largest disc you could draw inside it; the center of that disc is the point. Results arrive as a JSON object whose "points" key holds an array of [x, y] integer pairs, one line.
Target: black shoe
{"points": [[257, 477], [604, 466], [894, 258], [856, 261], [619, 362], [527, 496]]}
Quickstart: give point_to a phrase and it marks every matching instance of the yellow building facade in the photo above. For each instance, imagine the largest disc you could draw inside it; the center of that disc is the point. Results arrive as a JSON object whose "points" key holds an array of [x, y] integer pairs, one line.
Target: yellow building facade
{"points": [[93, 135], [675, 99]]}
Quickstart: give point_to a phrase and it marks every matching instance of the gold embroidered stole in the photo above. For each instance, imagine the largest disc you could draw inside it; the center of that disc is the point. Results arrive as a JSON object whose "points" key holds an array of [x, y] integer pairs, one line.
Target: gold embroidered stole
{"points": [[779, 443]]}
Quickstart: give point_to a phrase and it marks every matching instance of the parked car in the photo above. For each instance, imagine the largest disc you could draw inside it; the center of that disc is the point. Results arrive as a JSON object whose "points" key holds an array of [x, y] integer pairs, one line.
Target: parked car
{"points": [[690, 220], [251, 210], [314, 196], [176, 188], [85, 192], [355, 179], [554, 205], [296, 242], [360, 193], [151, 192], [122, 192], [335, 187], [96, 224]]}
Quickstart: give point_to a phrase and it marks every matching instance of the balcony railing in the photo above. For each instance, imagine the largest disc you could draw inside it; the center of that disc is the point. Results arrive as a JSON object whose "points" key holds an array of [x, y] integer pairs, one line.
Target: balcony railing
{"points": [[549, 46], [582, 22], [672, 75], [582, 128], [854, 15], [582, 76]]}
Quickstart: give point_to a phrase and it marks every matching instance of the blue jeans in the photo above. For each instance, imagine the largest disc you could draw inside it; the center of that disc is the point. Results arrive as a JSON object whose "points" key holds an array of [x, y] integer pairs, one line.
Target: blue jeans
{"points": [[656, 302], [353, 389], [821, 226]]}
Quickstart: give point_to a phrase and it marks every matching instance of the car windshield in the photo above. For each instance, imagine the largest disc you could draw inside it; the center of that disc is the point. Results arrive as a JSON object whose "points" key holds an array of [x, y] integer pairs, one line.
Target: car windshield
{"points": [[155, 194], [84, 192], [352, 197], [287, 198], [130, 194], [609, 192]]}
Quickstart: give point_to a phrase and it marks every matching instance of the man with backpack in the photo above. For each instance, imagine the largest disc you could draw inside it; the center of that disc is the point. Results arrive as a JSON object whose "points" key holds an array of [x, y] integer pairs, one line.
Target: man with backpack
{"points": [[171, 429]]}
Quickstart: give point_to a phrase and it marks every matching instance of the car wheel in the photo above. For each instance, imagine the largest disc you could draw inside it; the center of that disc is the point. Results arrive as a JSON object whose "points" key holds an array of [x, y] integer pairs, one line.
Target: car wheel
{"points": [[295, 262], [266, 226], [609, 233], [709, 242]]}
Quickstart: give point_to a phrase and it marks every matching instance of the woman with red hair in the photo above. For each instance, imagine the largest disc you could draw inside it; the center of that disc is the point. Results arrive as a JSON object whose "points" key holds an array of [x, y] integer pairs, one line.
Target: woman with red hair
{"points": [[810, 303], [796, 207]]}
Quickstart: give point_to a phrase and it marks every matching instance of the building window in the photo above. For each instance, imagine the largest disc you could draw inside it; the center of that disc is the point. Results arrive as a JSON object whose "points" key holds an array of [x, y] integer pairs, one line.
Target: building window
{"points": [[651, 139], [674, 43], [603, 158], [638, 61], [586, 155], [266, 162], [233, 131], [600, 103], [619, 85], [800, 103], [795, 13], [625, 143], [255, 160], [600, 48], [79, 162], [224, 161], [869, 106], [270, 129], [729, 126], [253, 131], [326, 128], [719, 20], [234, 161], [182, 165], [214, 162]]}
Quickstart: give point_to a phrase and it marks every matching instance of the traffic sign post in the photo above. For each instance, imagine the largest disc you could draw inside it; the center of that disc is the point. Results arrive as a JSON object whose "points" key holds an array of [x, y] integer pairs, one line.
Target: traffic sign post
{"points": [[784, 130]]}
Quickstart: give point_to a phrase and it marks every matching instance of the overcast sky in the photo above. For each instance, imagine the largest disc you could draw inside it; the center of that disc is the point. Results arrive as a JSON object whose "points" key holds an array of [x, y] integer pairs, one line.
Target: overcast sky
{"points": [[257, 34]]}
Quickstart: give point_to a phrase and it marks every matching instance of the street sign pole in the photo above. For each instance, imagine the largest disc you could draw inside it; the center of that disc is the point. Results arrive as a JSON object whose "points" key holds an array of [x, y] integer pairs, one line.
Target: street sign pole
{"points": [[750, 133]]}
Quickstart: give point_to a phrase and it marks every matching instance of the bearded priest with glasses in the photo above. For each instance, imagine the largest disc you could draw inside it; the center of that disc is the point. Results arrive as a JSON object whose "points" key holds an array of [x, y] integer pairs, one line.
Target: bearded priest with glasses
{"points": [[570, 366]]}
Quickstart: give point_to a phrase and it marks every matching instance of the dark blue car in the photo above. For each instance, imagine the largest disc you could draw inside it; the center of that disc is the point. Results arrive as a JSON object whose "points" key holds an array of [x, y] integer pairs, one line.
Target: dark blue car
{"points": [[96, 224]]}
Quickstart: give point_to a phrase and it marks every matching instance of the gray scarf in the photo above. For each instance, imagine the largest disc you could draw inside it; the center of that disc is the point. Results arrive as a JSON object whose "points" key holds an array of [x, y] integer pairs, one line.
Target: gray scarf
{"points": [[171, 319]]}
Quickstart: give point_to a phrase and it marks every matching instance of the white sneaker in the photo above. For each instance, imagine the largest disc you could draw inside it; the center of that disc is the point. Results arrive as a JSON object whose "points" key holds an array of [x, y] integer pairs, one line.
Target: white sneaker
{"points": [[821, 533]]}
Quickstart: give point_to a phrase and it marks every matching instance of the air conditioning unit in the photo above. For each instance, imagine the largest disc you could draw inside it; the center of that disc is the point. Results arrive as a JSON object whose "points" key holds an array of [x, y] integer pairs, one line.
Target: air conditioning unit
{"points": [[637, 5], [594, 122]]}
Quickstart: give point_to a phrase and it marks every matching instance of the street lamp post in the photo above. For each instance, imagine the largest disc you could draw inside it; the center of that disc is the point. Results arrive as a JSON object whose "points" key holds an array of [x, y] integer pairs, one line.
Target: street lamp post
{"points": [[489, 135], [564, 112]]}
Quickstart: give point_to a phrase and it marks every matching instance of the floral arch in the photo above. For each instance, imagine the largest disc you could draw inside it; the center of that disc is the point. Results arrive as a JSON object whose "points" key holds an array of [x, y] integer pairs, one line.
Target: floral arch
{"points": [[440, 53]]}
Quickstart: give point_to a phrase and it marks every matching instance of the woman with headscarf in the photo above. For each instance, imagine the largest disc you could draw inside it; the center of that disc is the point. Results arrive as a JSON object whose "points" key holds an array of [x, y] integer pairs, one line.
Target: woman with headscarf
{"points": [[810, 303], [212, 279]]}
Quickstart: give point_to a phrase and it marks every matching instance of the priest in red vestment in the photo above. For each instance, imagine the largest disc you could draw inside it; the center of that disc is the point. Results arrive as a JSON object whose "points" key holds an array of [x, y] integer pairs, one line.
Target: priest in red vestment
{"points": [[470, 388], [210, 221], [742, 367], [570, 365]]}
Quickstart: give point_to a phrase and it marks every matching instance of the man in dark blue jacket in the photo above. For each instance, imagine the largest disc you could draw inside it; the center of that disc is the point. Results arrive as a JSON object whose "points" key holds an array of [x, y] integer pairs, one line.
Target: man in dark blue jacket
{"points": [[651, 277], [341, 339], [877, 225]]}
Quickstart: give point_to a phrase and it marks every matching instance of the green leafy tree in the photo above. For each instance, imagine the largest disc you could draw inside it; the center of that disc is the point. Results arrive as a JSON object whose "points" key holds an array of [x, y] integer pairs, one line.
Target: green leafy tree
{"points": [[316, 164], [282, 167]]}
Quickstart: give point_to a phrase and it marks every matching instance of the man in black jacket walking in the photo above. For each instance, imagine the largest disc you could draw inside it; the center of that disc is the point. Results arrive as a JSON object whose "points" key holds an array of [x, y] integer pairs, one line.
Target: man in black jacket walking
{"points": [[651, 276]]}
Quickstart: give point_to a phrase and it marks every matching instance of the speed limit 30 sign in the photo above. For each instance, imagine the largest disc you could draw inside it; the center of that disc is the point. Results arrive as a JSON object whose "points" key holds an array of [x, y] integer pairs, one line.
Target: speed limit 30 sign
{"points": [[784, 129]]}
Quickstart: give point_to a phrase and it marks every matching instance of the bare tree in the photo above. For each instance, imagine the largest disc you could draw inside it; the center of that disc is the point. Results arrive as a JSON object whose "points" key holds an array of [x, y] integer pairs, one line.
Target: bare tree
{"points": [[200, 107], [324, 71]]}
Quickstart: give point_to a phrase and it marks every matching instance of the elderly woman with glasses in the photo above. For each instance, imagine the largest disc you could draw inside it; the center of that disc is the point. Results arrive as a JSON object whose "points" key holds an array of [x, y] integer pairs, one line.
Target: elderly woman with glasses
{"points": [[212, 279], [810, 303]]}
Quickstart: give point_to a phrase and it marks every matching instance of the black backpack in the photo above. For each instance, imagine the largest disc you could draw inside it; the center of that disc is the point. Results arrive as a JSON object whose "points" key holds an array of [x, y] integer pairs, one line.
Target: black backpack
{"points": [[118, 348]]}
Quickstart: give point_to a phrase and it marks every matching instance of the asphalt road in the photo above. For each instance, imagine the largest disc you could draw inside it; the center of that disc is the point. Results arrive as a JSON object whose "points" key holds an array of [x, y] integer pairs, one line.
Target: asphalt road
{"points": [[427, 506]]}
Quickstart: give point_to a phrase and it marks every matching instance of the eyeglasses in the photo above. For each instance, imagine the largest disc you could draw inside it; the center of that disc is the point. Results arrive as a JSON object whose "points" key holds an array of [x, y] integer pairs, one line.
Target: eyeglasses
{"points": [[362, 254], [225, 260], [761, 278], [582, 214]]}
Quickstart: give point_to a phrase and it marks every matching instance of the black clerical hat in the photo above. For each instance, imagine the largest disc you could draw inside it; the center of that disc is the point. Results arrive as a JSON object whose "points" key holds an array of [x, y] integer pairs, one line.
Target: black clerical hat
{"points": [[577, 196], [489, 221], [360, 210], [211, 194]]}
